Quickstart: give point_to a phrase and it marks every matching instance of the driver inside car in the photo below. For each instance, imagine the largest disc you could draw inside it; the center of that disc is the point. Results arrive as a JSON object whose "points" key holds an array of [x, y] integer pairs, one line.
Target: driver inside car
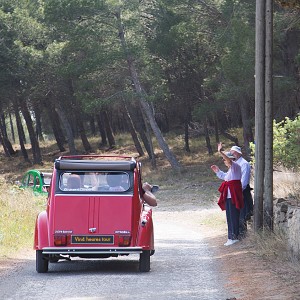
{"points": [[115, 182]]}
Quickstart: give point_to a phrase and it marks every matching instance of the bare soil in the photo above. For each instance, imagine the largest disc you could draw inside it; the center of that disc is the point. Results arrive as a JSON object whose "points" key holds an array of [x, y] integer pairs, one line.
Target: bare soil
{"points": [[254, 276]]}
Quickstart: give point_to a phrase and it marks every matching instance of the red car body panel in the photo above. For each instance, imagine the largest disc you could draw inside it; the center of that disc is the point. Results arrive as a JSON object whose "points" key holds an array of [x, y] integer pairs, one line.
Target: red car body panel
{"points": [[41, 237], [145, 231], [107, 214]]}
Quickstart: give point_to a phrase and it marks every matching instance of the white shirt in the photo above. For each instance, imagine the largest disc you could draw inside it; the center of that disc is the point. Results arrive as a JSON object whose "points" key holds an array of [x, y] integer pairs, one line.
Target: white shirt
{"points": [[246, 170], [234, 173]]}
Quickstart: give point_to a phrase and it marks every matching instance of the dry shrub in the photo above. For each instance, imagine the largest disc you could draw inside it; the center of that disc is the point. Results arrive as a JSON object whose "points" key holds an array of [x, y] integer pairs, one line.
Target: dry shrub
{"points": [[270, 244], [274, 244], [273, 248]]}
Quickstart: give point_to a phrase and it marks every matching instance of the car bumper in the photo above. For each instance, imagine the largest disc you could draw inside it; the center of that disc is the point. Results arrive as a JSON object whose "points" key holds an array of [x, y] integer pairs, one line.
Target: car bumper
{"points": [[89, 250]]}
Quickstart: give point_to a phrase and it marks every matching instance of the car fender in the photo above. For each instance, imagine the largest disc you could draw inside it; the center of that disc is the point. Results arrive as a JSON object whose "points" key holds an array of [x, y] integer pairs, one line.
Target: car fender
{"points": [[41, 231], [145, 232]]}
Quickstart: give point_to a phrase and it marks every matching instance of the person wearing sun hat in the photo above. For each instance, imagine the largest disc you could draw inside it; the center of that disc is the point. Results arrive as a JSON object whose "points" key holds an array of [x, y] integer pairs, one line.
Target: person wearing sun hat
{"points": [[247, 210], [231, 195]]}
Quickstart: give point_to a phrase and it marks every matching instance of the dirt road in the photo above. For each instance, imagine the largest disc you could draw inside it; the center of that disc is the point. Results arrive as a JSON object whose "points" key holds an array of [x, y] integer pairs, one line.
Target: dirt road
{"points": [[190, 263], [183, 267]]}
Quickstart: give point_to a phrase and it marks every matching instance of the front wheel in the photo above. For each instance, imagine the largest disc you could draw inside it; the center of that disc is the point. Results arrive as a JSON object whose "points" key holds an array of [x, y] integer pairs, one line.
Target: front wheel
{"points": [[144, 263], [41, 262]]}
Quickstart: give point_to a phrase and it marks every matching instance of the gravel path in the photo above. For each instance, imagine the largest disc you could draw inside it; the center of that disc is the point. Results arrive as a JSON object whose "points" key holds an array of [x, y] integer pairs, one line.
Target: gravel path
{"points": [[190, 263], [183, 267]]}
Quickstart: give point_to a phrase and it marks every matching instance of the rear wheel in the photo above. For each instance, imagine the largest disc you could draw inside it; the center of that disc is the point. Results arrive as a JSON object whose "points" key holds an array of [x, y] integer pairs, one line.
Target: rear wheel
{"points": [[144, 263], [41, 262]]}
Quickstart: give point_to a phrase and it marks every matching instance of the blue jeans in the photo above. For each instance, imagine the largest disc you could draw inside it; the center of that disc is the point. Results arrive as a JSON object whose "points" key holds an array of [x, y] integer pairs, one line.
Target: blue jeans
{"points": [[233, 218]]}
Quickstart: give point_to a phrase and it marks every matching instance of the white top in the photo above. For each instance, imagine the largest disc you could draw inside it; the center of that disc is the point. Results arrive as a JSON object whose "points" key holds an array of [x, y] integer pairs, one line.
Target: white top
{"points": [[234, 173], [246, 170]]}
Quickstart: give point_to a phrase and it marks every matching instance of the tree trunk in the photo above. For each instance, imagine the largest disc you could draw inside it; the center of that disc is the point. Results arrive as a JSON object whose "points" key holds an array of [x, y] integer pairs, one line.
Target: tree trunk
{"points": [[247, 128], [149, 140], [78, 121], [4, 145], [20, 133], [3, 126], [23, 132], [57, 131], [55, 123], [108, 130], [86, 145], [67, 127], [207, 138], [39, 132], [7, 146], [36, 151], [132, 130], [186, 137], [145, 106], [12, 128], [188, 119], [138, 119], [268, 189], [92, 125], [230, 137], [259, 115], [216, 123], [102, 131]]}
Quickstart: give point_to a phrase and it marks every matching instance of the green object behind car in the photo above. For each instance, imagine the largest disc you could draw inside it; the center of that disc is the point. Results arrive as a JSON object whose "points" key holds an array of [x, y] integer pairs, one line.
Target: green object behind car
{"points": [[38, 181]]}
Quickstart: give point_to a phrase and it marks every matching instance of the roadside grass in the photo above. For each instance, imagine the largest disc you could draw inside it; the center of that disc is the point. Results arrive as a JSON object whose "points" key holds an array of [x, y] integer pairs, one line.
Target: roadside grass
{"points": [[273, 245], [273, 248], [18, 210], [270, 244], [214, 219]]}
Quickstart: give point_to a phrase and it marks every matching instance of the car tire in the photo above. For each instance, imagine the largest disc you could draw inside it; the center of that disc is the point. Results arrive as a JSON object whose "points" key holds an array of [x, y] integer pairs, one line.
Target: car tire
{"points": [[41, 262], [144, 263]]}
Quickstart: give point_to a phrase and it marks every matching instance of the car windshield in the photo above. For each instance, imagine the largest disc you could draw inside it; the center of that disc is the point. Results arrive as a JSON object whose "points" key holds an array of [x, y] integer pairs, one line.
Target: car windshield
{"points": [[94, 181]]}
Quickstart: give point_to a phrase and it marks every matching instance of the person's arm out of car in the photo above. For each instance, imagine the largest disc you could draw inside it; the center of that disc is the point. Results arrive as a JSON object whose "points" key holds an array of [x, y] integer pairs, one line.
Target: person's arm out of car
{"points": [[148, 196]]}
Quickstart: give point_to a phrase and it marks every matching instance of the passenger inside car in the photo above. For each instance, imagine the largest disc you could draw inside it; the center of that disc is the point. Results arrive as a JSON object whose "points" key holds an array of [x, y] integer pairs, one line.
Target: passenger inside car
{"points": [[73, 182], [90, 180], [115, 182]]}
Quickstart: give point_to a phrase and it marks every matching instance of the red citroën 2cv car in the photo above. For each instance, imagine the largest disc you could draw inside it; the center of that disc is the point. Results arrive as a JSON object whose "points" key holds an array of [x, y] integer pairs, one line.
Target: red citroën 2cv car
{"points": [[94, 210]]}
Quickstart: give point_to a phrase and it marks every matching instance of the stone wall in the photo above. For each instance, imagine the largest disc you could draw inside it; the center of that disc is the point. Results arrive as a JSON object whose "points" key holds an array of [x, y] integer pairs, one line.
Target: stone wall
{"points": [[287, 220]]}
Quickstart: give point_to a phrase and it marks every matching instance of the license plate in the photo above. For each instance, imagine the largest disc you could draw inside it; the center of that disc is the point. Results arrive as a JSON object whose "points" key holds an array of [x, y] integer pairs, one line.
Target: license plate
{"points": [[92, 239]]}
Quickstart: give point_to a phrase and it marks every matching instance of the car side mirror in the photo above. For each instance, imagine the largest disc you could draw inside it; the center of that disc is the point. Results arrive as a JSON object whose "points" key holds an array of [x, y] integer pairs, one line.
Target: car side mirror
{"points": [[154, 189]]}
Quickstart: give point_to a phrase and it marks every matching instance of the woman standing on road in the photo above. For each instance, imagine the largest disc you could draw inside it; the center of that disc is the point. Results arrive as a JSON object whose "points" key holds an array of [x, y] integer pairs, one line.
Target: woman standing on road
{"points": [[231, 198]]}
